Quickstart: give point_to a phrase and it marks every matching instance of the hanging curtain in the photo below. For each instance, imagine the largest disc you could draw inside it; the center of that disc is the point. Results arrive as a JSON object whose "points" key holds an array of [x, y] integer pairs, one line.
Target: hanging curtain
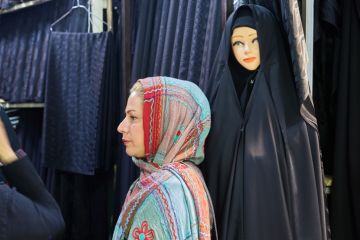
{"points": [[176, 38]]}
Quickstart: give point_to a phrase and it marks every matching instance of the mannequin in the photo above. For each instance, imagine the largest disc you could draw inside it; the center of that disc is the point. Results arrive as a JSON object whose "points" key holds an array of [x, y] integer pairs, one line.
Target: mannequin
{"points": [[262, 166]]}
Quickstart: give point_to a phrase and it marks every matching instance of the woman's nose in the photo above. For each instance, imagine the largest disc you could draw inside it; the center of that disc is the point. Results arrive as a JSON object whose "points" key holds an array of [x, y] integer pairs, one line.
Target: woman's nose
{"points": [[121, 128]]}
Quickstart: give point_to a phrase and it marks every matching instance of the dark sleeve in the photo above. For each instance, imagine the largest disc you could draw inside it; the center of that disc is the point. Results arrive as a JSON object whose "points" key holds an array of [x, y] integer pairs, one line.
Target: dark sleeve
{"points": [[29, 211]]}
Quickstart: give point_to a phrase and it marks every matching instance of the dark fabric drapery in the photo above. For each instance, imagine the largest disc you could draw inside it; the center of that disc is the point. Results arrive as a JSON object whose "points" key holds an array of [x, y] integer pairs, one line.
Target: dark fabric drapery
{"points": [[29, 132], [176, 38], [24, 40], [345, 208], [85, 204], [327, 26]]}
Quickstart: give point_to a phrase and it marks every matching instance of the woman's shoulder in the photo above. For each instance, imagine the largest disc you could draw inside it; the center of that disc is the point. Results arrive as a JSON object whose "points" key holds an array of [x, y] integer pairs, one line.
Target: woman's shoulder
{"points": [[167, 210]]}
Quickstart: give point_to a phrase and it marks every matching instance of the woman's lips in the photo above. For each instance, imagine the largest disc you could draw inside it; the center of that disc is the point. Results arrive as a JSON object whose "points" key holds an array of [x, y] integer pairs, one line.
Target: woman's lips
{"points": [[250, 59], [125, 141]]}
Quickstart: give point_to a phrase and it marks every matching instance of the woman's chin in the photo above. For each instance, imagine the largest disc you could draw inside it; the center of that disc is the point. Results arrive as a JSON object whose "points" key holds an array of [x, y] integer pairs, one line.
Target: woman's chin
{"points": [[133, 154]]}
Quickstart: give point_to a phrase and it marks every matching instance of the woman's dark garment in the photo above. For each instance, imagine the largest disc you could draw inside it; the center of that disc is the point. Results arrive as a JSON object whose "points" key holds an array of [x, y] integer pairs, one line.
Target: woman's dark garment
{"points": [[27, 210]]}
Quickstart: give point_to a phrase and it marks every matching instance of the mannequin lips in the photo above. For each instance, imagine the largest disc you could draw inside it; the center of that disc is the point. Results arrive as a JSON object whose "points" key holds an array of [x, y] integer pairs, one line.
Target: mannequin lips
{"points": [[250, 59]]}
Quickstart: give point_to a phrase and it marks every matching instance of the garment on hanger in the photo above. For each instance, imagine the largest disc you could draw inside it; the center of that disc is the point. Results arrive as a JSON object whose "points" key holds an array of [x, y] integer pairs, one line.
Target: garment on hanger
{"points": [[77, 84]]}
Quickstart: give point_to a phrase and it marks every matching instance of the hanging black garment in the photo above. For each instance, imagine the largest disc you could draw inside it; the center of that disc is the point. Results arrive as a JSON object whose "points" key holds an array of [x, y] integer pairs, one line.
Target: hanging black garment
{"points": [[345, 197], [262, 166], [77, 80]]}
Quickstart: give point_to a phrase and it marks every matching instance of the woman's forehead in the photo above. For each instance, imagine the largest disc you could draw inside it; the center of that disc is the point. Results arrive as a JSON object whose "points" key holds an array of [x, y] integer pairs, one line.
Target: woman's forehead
{"points": [[134, 103]]}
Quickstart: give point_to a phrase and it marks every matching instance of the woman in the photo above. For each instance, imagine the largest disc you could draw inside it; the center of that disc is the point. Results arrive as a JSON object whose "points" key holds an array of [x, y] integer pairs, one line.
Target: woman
{"points": [[262, 165], [27, 210], [166, 123]]}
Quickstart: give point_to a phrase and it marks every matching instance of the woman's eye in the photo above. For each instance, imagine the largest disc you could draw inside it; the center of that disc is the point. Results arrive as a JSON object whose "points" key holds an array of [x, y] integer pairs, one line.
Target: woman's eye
{"points": [[238, 43], [254, 40], [133, 118]]}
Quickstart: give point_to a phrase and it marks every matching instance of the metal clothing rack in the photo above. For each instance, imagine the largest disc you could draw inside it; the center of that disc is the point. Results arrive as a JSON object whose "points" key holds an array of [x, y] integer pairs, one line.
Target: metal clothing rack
{"points": [[8, 105], [22, 5]]}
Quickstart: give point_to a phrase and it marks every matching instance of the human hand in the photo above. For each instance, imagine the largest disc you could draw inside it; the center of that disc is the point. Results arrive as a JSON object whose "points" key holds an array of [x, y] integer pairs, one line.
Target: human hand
{"points": [[7, 154]]}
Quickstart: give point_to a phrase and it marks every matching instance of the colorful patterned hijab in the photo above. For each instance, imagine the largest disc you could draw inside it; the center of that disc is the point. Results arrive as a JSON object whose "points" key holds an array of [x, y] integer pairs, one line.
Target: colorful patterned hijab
{"points": [[176, 121]]}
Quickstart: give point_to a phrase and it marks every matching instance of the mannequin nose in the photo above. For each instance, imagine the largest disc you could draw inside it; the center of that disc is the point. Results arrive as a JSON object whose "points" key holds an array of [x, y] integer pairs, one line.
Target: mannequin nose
{"points": [[246, 48]]}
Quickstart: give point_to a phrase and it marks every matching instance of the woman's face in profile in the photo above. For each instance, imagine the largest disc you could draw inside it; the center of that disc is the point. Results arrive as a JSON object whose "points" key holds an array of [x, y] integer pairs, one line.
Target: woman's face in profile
{"points": [[245, 46], [131, 127]]}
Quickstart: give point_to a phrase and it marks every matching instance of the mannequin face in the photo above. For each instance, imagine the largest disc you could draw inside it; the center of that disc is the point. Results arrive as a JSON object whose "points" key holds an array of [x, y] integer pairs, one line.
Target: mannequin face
{"points": [[131, 127], [245, 46]]}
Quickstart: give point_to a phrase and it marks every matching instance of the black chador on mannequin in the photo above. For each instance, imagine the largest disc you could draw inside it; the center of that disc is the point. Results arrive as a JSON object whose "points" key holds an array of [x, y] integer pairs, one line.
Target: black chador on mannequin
{"points": [[262, 165]]}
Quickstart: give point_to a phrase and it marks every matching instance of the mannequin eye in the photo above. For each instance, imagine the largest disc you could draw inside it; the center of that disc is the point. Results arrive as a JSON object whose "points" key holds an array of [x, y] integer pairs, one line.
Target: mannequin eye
{"points": [[238, 43]]}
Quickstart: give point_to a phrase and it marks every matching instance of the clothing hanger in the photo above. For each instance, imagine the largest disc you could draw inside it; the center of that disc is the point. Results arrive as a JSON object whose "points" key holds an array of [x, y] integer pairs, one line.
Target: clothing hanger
{"points": [[78, 6]]}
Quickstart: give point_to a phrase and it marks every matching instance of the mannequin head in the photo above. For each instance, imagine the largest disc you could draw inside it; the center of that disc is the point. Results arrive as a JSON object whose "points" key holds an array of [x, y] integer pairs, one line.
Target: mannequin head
{"points": [[245, 47], [244, 41]]}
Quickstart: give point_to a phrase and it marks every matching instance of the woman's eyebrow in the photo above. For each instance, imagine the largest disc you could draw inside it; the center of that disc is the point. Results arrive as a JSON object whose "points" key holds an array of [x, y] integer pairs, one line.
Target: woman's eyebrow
{"points": [[129, 111]]}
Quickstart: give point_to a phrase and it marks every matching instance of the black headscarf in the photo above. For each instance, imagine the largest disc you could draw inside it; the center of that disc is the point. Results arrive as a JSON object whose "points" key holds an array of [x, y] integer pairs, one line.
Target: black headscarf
{"points": [[262, 164]]}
